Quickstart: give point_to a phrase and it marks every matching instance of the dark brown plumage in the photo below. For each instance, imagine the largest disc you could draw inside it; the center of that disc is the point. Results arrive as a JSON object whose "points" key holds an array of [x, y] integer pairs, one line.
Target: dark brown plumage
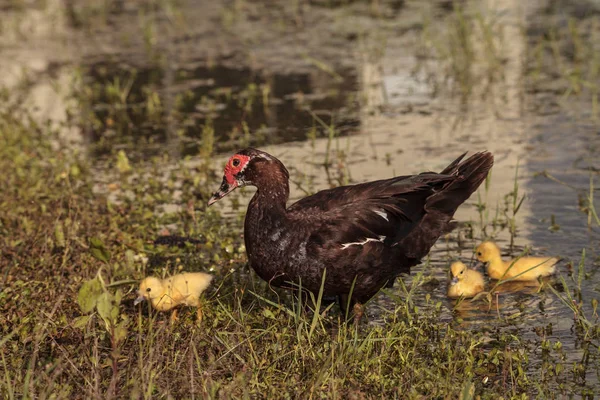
{"points": [[368, 233]]}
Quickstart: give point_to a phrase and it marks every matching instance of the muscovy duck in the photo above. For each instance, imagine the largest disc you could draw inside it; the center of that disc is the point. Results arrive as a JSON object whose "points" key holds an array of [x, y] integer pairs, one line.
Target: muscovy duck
{"points": [[465, 282], [361, 236], [181, 289], [520, 269]]}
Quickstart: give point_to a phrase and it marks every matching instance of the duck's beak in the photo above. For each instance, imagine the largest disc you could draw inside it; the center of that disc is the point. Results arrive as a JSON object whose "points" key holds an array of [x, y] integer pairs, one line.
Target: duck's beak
{"points": [[138, 300], [454, 281], [223, 191]]}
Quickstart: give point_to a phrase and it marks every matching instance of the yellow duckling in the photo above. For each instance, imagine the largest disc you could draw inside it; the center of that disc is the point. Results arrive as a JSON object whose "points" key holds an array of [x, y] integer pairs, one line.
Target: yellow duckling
{"points": [[530, 267], [465, 282], [180, 289]]}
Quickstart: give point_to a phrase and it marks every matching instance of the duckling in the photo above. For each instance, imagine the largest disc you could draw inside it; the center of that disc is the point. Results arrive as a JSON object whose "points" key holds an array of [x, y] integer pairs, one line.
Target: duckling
{"points": [[465, 282], [530, 267], [181, 289]]}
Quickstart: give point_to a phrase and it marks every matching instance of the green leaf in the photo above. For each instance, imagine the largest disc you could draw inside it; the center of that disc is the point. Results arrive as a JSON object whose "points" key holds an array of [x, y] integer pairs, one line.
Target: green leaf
{"points": [[98, 250], [105, 306], [75, 171], [519, 205], [114, 312], [468, 390], [121, 331], [88, 295], [81, 322], [130, 259], [123, 162], [95, 242], [59, 234]]}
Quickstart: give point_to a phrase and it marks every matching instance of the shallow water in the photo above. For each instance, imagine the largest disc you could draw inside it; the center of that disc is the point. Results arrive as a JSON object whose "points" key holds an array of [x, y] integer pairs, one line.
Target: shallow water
{"points": [[244, 106], [389, 118]]}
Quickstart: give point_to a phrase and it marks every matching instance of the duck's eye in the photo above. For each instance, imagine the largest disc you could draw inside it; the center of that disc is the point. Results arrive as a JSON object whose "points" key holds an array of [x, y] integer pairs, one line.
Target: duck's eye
{"points": [[236, 162], [147, 290], [479, 253], [461, 272]]}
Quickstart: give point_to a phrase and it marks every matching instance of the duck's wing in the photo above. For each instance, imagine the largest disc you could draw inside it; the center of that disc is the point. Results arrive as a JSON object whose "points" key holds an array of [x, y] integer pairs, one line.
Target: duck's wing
{"points": [[378, 215], [534, 265], [422, 205], [332, 199], [178, 288], [197, 282], [342, 195], [164, 302]]}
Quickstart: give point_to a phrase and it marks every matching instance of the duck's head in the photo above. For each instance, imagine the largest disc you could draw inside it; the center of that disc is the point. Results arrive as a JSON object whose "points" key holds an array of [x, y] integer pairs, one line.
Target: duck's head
{"points": [[249, 167], [487, 251], [458, 271], [150, 288]]}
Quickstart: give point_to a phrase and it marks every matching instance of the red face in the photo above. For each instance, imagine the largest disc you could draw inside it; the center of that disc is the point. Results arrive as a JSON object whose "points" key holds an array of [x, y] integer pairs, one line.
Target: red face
{"points": [[235, 165]]}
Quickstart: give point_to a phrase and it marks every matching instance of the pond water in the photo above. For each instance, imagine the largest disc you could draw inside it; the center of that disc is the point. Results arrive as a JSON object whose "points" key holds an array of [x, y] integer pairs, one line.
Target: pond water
{"points": [[392, 108], [243, 106]]}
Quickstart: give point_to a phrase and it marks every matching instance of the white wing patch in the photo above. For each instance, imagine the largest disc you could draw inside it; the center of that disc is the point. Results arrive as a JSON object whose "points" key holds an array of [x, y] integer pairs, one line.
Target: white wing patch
{"points": [[300, 255], [382, 214], [284, 242], [367, 240], [275, 235]]}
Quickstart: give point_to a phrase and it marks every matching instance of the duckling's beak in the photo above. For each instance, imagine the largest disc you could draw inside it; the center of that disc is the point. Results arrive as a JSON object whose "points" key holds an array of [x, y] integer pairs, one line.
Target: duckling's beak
{"points": [[223, 191], [454, 280], [138, 300]]}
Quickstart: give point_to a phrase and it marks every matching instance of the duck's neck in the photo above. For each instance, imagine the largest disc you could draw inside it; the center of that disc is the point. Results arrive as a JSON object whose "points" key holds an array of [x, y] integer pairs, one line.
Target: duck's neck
{"points": [[267, 209], [161, 300], [497, 264], [266, 216], [273, 191]]}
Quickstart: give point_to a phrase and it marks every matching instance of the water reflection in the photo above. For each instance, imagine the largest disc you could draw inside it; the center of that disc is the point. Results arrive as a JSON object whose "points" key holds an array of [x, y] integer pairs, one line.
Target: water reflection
{"points": [[240, 105]]}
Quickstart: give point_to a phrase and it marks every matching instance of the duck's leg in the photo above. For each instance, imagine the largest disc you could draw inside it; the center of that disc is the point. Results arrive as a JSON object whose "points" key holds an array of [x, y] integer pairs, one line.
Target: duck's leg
{"points": [[357, 307], [199, 312], [390, 283], [174, 316], [359, 310], [305, 301], [343, 300]]}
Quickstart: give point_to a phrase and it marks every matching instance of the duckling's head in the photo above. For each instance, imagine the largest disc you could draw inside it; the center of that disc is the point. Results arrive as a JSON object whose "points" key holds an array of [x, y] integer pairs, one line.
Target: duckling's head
{"points": [[150, 288], [458, 271], [487, 251]]}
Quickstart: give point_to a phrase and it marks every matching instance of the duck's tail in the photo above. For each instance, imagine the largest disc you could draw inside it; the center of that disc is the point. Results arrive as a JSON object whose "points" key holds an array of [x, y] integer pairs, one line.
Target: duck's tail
{"points": [[552, 268], [441, 206], [469, 176]]}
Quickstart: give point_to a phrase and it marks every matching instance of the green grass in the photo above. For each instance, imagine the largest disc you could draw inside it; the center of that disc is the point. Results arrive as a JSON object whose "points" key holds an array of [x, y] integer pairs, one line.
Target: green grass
{"points": [[74, 242], [71, 254]]}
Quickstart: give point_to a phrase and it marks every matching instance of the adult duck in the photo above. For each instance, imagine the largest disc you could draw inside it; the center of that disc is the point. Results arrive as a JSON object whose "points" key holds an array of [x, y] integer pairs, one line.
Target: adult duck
{"points": [[360, 236]]}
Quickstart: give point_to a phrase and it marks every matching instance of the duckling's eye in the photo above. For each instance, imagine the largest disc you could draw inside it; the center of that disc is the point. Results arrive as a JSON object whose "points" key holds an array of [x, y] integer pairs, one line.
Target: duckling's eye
{"points": [[235, 162], [147, 290], [461, 272], [479, 253]]}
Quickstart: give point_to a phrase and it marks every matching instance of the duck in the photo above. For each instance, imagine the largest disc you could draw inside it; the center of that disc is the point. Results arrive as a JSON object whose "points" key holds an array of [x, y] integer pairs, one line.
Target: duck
{"points": [[350, 240], [520, 269], [180, 289], [465, 282]]}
